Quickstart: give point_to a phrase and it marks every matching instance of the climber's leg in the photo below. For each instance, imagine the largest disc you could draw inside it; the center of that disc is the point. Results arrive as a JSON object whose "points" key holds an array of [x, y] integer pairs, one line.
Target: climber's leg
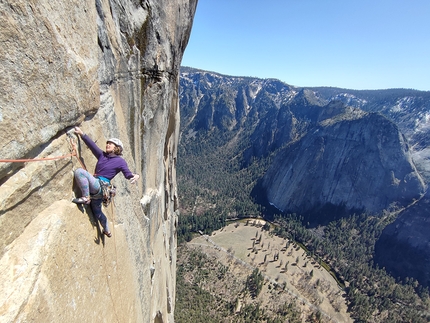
{"points": [[96, 206], [86, 182]]}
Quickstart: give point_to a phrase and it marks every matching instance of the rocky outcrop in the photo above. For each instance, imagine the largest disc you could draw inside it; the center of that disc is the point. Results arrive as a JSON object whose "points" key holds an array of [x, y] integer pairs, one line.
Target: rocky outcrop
{"points": [[111, 67], [354, 159]]}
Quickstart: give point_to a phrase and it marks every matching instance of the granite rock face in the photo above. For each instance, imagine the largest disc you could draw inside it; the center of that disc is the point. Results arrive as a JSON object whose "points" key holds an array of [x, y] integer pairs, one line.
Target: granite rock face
{"points": [[354, 159], [111, 67]]}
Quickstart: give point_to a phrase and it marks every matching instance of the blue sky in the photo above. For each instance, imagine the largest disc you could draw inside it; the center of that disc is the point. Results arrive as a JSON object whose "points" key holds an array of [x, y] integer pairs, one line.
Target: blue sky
{"points": [[364, 44]]}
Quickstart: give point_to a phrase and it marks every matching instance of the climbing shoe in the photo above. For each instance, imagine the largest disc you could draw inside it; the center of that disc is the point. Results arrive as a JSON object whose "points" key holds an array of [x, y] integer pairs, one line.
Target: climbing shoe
{"points": [[82, 200], [108, 234]]}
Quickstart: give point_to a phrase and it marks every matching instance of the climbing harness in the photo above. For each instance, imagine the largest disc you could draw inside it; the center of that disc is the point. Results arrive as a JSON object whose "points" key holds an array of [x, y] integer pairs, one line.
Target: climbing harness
{"points": [[107, 190]]}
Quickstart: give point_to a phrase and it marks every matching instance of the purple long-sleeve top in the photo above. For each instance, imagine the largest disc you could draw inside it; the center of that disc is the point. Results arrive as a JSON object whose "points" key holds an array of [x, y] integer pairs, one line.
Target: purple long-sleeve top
{"points": [[107, 166]]}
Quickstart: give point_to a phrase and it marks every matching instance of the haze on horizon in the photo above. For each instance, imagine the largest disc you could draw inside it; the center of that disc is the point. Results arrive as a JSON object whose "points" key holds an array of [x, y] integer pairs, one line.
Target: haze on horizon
{"points": [[347, 44]]}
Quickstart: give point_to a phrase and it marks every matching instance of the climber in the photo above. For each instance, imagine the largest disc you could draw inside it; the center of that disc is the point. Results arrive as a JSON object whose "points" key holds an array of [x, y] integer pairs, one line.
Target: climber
{"points": [[109, 163]]}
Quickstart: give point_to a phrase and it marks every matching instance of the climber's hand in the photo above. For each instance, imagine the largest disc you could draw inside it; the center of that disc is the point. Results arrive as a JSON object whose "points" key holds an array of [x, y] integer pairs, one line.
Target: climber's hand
{"points": [[79, 131], [134, 178]]}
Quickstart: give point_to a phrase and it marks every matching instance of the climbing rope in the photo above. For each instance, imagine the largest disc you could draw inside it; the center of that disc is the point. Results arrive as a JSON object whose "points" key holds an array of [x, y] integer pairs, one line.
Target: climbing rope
{"points": [[73, 153], [35, 159]]}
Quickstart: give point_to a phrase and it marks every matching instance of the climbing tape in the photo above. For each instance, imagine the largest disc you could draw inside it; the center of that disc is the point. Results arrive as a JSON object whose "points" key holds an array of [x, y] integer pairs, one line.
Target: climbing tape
{"points": [[74, 153]]}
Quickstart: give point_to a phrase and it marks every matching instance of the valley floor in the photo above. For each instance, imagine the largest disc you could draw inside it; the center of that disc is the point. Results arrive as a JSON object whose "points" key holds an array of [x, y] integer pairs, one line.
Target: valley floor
{"points": [[290, 276]]}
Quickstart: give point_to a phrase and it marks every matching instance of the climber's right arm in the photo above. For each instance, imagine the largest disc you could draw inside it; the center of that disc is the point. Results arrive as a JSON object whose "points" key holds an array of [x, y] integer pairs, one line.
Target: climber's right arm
{"points": [[97, 152]]}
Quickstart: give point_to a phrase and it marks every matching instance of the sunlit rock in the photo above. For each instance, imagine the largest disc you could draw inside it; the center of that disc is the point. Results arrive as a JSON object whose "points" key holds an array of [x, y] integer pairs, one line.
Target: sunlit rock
{"points": [[112, 68]]}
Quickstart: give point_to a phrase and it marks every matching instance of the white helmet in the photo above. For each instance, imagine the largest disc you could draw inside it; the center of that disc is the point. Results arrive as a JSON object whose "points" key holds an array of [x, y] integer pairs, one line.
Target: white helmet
{"points": [[117, 142]]}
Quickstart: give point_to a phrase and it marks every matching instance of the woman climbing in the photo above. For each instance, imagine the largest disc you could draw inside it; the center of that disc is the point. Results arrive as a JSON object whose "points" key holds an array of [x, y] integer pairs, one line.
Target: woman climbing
{"points": [[109, 163]]}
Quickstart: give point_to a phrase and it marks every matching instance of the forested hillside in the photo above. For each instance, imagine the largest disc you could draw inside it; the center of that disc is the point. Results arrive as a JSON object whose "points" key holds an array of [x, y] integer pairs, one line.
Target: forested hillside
{"points": [[232, 130]]}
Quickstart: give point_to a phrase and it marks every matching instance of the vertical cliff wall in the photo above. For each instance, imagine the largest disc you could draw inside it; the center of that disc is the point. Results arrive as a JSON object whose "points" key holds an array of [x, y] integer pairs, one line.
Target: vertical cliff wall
{"points": [[357, 160], [112, 68]]}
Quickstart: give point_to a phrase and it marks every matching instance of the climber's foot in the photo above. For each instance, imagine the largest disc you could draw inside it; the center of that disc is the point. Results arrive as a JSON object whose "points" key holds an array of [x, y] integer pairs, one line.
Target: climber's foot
{"points": [[82, 200], [106, 233]]}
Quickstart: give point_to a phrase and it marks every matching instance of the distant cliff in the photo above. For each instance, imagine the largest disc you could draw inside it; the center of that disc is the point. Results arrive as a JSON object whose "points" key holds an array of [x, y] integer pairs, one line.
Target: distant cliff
{"points": [[356, 160], [111, 67]]}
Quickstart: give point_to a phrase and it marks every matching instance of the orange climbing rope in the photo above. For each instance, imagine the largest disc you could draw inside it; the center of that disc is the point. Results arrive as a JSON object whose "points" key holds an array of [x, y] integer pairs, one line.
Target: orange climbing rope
{"points": [[35, 159], [74, 153]]}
